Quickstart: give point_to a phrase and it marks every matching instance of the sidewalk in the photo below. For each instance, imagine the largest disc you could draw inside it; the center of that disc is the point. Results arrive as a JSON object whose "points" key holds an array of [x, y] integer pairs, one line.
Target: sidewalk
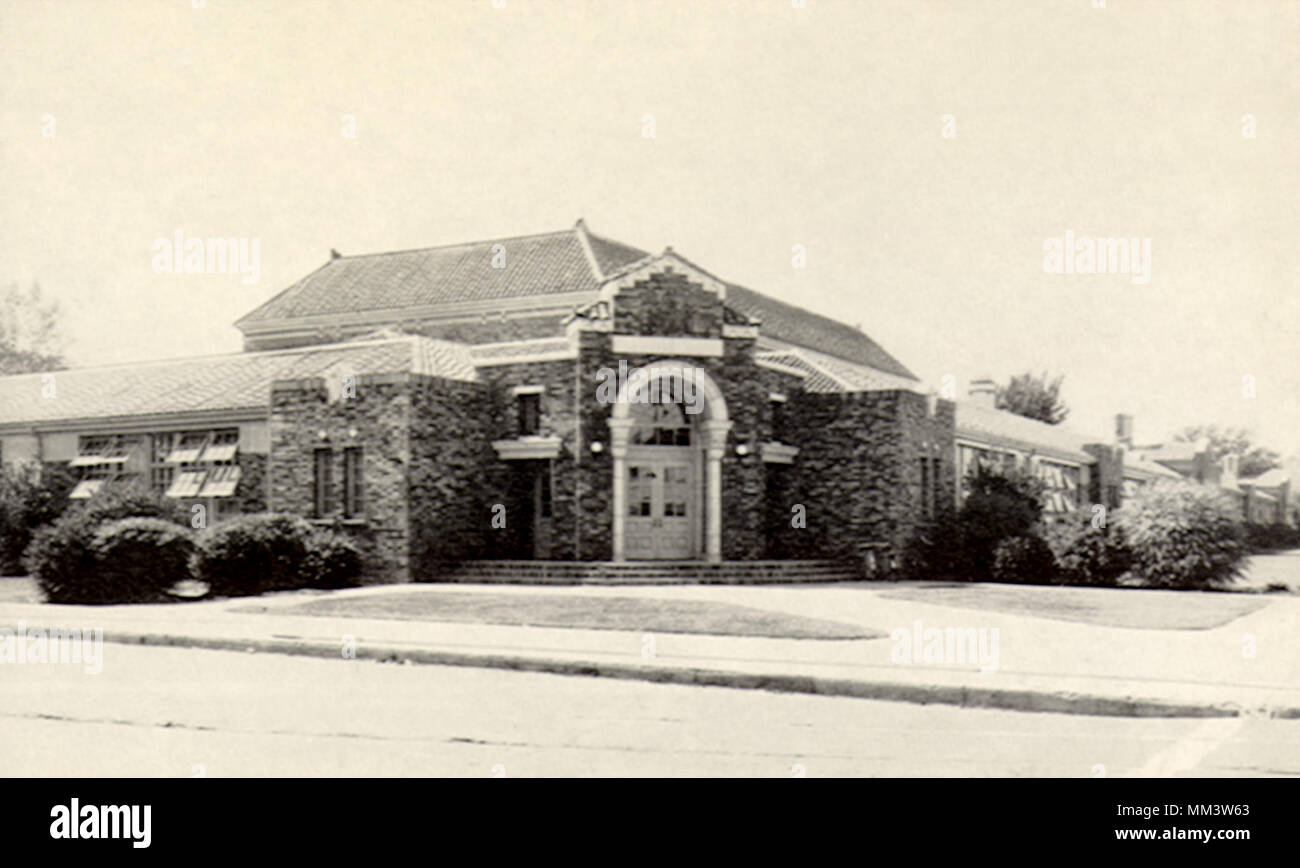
{"points": [[1043, 665]]}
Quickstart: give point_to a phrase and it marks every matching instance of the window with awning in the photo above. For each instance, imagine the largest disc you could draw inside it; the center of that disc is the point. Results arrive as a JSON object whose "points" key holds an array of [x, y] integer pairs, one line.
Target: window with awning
{"points": [[182, 464], [1061, 487], [221, 481], [189, 448], [187, 483], [221, 448], [86, 488]]}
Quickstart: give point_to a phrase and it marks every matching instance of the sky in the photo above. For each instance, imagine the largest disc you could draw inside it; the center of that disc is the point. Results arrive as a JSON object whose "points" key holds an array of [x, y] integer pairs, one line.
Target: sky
{"points": [[922, 153]]}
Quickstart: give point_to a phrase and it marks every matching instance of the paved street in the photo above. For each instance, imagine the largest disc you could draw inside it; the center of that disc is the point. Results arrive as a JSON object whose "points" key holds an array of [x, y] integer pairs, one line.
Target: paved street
{"points": [[172, 712]]}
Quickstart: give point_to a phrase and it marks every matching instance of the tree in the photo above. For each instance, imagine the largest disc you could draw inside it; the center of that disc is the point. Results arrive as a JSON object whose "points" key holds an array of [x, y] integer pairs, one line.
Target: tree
{"points": [[1035, 397], [1252, 460], [29, 332]]}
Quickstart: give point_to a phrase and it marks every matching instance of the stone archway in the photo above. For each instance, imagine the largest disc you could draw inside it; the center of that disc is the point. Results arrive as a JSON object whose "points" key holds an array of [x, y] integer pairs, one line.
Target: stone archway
{"points": [[712, 425]]}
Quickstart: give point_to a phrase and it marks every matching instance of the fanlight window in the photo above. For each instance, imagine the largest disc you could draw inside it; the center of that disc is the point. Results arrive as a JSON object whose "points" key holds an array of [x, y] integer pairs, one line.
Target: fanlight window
{"points": [[660, 425]]}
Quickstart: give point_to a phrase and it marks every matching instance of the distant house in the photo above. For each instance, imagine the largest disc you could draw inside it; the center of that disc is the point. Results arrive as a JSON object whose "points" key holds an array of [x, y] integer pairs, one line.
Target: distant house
{"points": [[1079, 470]]}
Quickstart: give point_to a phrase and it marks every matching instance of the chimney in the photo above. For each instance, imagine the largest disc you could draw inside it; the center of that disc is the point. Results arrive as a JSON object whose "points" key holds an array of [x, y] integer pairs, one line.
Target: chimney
{"points": [[983, 392], [1124, 430], [1228, 474]]}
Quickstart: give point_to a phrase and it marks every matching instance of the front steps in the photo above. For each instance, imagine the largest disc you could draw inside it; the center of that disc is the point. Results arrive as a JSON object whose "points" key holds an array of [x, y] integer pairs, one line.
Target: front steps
{"points": [[647, 572]]}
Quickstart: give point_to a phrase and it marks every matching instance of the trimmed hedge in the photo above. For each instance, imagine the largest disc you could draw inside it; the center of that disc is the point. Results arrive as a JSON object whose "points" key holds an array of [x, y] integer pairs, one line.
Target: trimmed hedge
{"points": [[1182, 535], [138, 559], [1271, 537], [62, 557], [253, 554], [332, 561]]}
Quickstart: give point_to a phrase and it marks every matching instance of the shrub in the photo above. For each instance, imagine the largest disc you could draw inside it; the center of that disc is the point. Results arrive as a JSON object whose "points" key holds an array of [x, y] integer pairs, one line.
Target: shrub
{"points": [[137, 560], [1023, 559], [252, 554], [62, 556], [1000, 503], [30, 497], [1087, 555], [1270, 537], [332, 561], [938, 552], [132, 501], [59, 558], [1182, 535]]}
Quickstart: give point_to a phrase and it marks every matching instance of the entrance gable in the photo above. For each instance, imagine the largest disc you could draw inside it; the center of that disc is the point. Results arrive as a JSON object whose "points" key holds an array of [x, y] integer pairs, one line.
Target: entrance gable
{"points": [[667, 296]]}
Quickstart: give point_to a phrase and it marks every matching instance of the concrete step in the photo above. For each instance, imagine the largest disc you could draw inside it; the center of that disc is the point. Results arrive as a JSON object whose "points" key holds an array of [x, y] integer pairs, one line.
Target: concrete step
{"points": [[647, 572]]}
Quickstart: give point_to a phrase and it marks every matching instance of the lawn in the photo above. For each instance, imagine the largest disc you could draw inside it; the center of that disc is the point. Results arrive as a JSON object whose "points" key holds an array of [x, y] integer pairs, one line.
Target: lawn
{"points": [[1105, 607], [578, 612]]}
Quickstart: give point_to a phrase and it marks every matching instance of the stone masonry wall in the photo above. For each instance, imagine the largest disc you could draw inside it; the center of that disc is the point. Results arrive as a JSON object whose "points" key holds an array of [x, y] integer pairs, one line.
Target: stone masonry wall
{"points": [[857, 473], [455, 477], [377, 420]]}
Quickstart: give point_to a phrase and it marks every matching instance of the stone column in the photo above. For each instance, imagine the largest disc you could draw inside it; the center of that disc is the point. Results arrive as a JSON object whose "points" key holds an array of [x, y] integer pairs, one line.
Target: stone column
{"points": [[619, 429], [715, 446]]}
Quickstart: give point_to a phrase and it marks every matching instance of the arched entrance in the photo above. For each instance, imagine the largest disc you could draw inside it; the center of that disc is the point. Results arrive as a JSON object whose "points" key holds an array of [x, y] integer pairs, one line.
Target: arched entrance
{"points": [[668, 434]]}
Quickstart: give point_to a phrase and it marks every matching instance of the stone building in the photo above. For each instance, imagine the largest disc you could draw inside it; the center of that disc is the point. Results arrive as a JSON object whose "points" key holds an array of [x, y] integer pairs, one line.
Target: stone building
{"points": [[556, 397]]}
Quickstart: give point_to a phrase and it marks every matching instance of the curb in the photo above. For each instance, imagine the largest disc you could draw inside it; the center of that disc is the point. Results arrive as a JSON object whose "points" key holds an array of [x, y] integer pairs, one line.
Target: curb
{"points": [[1004, 699]]}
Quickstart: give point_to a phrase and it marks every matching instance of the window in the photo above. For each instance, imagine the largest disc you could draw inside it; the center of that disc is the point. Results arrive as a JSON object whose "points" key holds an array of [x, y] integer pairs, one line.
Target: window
{"points": [[530, 414], [102, 459], [187, 483], [323, 483], [1062, 489], [660, 425], [222, 481], [777, 404], [929, 468], [935, 465], [189, 448], [91, 451], [222, 447], [160, 472], [353, 502], [86, 488]]}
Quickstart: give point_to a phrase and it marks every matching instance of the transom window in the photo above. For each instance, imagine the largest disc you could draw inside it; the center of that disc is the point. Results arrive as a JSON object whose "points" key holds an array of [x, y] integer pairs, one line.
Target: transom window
{"points": [[660, 425]]}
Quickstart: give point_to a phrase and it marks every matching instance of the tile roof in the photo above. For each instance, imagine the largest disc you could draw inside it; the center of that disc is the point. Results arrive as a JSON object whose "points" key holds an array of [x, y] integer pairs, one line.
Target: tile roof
{"points": [[612, 255], [807, 329], [535, 266], [815, 379], [826, 373], [1003, 428], [482, 353], [211, 383]]}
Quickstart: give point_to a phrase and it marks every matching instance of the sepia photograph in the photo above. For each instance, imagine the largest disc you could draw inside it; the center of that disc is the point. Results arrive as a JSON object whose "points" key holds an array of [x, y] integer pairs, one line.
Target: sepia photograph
{"points": [[491, 389]]}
